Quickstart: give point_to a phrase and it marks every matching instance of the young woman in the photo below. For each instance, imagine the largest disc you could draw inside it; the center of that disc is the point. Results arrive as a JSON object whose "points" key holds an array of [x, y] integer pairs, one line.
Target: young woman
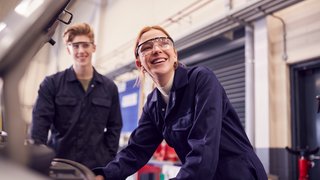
{"points": [[191, 111]]}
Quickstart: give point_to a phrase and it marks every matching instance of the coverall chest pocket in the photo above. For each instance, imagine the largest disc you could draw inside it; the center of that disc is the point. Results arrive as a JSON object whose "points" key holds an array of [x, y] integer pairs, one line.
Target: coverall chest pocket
{"points": [[101, 109], [65, 109], [181, 127]]}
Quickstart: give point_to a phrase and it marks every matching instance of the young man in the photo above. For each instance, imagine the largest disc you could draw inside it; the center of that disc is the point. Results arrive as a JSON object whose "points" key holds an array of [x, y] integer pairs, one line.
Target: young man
{"points": [[79, 106]]}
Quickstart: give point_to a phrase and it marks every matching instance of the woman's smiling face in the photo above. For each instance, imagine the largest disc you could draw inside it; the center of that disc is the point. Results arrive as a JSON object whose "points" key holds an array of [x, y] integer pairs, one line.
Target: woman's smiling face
{"points": [[161, 56]]}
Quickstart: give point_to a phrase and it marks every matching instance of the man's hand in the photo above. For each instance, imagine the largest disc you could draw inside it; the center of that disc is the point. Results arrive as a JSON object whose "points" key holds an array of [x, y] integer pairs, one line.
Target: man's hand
{"points": [[99, 177]]}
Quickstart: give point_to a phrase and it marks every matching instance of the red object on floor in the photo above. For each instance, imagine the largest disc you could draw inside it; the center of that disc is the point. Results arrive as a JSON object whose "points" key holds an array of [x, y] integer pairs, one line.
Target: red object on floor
{"points": [[170, 154], [165, 153], [147, 169], [160, 152]]}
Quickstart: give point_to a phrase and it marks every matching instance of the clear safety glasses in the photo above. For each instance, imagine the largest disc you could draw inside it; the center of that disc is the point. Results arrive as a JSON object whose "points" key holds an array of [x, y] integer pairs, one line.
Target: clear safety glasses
{"points": [[146, 48], [76, 46]]}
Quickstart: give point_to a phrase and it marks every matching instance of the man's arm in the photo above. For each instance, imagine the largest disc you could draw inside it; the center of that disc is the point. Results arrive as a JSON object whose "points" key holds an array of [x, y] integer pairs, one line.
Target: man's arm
{"points": [[43, 113], [114, 124]]}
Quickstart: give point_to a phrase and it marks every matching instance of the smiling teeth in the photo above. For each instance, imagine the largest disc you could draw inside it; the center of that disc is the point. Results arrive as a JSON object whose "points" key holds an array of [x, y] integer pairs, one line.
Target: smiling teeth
{"points": [[158, 60]]}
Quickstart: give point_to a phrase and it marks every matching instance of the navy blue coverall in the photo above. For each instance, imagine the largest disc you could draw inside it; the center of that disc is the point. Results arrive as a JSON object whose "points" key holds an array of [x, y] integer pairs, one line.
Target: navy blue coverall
{"points": [[85, 125], [200, 124]]}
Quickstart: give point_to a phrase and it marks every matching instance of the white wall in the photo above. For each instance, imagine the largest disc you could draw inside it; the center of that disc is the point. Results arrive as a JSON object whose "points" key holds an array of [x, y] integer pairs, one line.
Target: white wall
{"points": [[122, 20]]}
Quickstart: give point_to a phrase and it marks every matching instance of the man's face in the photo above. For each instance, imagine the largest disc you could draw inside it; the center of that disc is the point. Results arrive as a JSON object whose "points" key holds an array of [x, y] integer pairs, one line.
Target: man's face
{"points": [[81, 49]]}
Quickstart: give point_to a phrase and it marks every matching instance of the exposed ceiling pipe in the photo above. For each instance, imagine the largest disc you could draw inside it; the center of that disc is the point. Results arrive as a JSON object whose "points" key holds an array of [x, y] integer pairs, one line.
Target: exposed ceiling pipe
{"points": [[234, 19], [284, 37], [182, 14]]}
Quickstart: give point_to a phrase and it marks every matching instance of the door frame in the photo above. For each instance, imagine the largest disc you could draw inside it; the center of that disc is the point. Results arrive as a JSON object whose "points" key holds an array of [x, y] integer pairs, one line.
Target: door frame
{"points": [[294, 93]]}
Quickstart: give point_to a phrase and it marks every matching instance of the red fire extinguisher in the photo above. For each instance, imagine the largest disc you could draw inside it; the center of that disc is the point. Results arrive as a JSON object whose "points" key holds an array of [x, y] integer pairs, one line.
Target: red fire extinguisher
{"points": [[305, 161]]}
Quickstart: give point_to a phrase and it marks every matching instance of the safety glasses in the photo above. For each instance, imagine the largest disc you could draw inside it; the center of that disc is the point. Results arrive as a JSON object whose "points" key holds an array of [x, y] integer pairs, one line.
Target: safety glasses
{"points": [[146, 47], [77, 45]]}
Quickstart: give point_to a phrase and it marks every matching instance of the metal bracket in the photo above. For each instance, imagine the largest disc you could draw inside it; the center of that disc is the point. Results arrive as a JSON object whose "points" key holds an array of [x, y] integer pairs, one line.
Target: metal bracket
{"points": [[69, 19]]}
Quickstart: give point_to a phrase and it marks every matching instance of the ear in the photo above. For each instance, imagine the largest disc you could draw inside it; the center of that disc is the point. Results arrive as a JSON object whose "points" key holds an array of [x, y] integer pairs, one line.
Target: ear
{"points": [[94, 47], [68, 50], [138, 63], [176, 52]]}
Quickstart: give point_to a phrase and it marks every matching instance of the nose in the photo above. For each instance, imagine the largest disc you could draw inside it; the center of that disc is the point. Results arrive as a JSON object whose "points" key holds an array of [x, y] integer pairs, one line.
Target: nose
{"points": [[81, 48], [156, 48]]}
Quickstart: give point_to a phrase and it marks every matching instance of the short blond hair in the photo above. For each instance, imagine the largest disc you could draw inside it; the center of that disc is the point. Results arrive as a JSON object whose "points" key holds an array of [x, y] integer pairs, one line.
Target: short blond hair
{"points": [[76, 30]]}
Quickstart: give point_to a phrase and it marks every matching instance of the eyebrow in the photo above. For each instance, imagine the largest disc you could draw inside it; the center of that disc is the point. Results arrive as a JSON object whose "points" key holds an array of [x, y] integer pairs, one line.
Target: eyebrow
{"points": [[80, 42]]}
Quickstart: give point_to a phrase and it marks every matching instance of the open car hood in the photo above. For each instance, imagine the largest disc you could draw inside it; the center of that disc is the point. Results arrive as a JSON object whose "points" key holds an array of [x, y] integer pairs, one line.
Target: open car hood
{"points": [[22, 34]]}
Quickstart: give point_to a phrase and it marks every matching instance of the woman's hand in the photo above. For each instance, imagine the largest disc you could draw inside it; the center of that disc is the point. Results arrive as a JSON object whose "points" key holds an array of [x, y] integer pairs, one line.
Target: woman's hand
{"points": [[99, 177]]}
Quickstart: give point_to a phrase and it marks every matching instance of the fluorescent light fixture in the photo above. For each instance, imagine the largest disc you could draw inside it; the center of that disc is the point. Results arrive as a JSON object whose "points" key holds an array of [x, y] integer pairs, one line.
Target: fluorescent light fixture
{"points": [[27, 7], [2, 26]]}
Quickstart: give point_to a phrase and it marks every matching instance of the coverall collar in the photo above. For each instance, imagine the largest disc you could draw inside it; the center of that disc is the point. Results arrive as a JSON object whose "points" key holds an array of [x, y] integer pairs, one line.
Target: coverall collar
{"points": [[180, 79], [71, 75]]}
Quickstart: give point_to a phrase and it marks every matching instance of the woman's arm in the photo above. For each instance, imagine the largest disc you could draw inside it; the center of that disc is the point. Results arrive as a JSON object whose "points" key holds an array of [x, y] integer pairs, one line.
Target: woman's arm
{"points": [[142, 143]]}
